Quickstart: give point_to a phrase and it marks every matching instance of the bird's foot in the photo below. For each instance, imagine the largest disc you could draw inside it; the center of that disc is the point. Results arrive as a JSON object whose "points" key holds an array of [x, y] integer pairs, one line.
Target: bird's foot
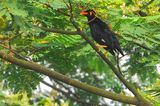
{"points": [[100, 46], [81, 29], [106, 54]]}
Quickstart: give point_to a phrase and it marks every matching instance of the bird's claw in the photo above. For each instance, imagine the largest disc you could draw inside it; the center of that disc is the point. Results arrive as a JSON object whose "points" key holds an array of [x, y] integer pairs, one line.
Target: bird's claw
{"points": [[106, 54], [100, 46], [81, 29]]}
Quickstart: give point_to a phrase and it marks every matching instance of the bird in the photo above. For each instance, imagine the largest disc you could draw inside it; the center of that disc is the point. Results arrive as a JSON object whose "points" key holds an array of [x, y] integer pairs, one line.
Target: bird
{"points": [[102, 33]]}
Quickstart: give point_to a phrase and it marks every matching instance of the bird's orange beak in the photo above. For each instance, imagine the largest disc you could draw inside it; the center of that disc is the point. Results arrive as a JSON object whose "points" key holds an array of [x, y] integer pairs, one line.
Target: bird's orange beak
{"points": [[84, 13]]}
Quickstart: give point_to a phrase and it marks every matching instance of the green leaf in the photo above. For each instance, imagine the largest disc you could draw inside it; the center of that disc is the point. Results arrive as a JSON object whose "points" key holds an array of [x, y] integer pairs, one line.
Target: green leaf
{"points": [[57, 4], [12, 8]]}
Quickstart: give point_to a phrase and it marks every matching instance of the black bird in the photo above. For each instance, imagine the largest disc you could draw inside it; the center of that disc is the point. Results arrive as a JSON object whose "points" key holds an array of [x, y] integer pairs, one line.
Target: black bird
{"points": [[101, 33]]}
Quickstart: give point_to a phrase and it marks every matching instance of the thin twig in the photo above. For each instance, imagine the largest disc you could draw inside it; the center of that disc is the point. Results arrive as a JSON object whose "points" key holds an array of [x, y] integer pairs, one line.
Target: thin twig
{"points": [[118, 64], [36, 50], [59, 31], [60, 11], [66, 4], [13, 51]]}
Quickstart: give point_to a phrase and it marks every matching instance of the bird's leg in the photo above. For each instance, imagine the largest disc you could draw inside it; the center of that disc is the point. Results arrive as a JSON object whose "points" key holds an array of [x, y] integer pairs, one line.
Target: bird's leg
{"points": [[100, 46]]}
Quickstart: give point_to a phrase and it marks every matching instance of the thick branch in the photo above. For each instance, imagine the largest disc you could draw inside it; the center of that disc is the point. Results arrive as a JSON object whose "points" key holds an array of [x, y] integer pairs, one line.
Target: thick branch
{"points": [[62, 85], [69, 96], [55, 75], [79, 32], [117, 73]]}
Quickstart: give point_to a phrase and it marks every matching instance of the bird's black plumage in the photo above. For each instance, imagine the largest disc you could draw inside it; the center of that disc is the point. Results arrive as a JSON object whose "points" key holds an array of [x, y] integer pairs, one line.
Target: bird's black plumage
{"points": [[101, 33]]}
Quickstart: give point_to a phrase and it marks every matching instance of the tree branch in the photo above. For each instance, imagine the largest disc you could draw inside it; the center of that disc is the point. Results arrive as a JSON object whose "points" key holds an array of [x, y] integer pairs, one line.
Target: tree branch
{"points": [[118, 64], [12, 51], [55, 75], [76, 33], [115, 70], [117, 73], [69, 96], [60, 11], [67, 88]]}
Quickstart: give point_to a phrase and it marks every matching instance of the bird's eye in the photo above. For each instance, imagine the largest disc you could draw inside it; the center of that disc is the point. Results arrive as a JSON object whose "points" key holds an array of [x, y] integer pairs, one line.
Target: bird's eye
{"points": [[90, 13]]}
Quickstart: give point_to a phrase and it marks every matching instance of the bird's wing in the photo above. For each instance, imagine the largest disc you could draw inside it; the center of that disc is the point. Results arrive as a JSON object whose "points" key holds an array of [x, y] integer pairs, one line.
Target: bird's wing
{"points": [[115, 43], [105, 35]]}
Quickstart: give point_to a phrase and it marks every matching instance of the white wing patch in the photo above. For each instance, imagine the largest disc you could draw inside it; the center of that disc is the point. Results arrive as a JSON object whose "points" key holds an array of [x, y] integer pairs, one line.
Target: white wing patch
{"points": [[103, 40]]}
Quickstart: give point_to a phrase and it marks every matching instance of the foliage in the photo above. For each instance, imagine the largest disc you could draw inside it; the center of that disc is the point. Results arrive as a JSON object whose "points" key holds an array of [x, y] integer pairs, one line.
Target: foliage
{"points": [[19, 79], [20, 99], [141, 62], [19, 21], [154, 89], [14, 100]]}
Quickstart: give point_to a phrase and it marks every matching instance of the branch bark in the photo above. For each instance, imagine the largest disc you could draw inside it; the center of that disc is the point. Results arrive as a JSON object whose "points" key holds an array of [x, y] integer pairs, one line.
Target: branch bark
{"points": [[67, 94], [55, 75], [117, 73], [131, 87], [75, 33], [79, 32], [115, 70]]}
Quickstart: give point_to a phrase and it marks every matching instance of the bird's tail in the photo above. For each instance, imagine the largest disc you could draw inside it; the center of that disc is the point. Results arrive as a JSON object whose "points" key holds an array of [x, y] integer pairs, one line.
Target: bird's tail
{"points": [[120, 51]]}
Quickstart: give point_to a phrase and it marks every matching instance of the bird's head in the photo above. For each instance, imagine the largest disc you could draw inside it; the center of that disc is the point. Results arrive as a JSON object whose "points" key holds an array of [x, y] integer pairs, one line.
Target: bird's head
{"points": [[88, 13]]}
